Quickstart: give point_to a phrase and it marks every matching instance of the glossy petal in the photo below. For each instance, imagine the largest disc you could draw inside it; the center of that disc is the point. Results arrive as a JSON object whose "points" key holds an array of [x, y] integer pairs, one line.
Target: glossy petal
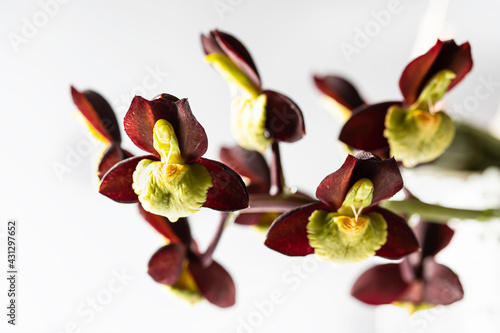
{"points": [[379, 285], [288, 233], [433, 237], [166, 264], [249, 164], [214, 282], [112, 155], [415, 72], [142, 117], [443, 55], [237, 52], [116, 184], [284, 120], [193, 140], [174, 232], [210, 45], [442, 284], [365, 129], [384, 175], [341, 90], [228, 192], [400, 238], [98, 113]]}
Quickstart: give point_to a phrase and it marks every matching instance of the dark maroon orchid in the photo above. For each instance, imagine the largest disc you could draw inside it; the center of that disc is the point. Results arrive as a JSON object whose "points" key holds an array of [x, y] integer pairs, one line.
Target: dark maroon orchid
{"points": [[260, 116], [174, 180], [102, 123], [346, 224], [180, 266], [418, 282], [412, 130]]}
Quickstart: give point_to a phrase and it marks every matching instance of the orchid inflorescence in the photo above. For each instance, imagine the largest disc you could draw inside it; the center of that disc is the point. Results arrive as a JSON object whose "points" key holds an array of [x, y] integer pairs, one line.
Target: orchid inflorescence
{"points": [[350, 220]]}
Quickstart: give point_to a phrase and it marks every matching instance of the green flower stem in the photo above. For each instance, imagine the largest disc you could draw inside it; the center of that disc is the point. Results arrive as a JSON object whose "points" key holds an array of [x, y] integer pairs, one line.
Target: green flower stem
{"points": [[439, 214], [277, 177], [264, 203]]}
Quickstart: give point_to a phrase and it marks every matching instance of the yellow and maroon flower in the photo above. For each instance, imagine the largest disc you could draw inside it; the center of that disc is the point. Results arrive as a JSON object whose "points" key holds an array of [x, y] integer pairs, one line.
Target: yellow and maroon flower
{"points": [[258, 116], [414, 131], [418, 282], [174, 180], [346, 224], [179, 265]]}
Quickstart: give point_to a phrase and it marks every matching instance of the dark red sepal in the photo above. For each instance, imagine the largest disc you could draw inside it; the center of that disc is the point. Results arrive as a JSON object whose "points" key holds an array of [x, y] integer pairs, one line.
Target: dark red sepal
{"points": [[365, 129], [228, 192], [288, 233], [214, 282], [384, 175], [141, 118], [339, 89], [443, 55], [112, 155], [174, 232], [249, 164], [238, 53], [193, 141], [165, 266], [116, 184], [379, 285], [284, 120], [442, 286], [98, 113], [400, 238]]}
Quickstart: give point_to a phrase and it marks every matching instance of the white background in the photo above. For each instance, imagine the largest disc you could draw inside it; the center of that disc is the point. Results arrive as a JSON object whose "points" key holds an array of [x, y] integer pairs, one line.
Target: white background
{"points": [[71, 239]]}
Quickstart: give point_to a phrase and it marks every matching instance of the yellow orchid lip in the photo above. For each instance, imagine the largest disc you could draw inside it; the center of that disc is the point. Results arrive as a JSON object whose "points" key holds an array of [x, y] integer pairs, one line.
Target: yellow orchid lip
{"points": [[170, 187]]}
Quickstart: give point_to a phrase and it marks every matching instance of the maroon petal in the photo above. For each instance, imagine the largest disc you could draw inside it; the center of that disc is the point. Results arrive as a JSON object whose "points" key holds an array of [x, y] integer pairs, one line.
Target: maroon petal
{"points": [[413, 75], [214, 282], [228, 192], [98, 113], [379, 285], [249, 218], [174, 232], [191, 135], [249, 164], [142, 117], [210, 45], [443, 55], [433, 237], [237, 52], [456, 58], [365, 129], [284, 120], [111, 156], [442, 285], [341, 90], [165, 265], [116, 184], [400, 238], [384, 175], [288, 233]]}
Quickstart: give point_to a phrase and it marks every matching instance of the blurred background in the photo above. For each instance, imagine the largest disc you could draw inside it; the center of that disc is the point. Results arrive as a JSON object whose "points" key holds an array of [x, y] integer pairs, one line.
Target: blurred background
{"points": [[75, 246]]}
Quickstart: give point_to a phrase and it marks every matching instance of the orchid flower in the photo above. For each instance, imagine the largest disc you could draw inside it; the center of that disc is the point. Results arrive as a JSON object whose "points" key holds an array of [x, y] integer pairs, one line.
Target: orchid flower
{"points": [[346, 225], [258, 117], [174, 180]]}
